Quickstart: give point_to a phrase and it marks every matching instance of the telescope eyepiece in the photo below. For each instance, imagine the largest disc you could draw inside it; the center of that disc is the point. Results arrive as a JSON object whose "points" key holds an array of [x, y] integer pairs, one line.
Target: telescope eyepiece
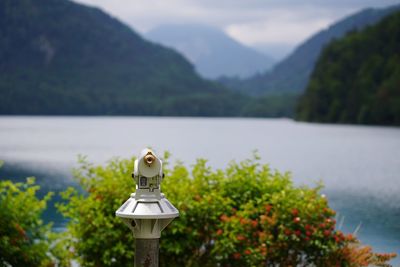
{"points": [[147, 165], [149, 159]]}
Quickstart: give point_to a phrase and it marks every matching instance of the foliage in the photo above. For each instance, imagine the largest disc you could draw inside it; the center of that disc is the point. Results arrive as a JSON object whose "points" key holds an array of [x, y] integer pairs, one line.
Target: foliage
{"points": [[356, 79], [24, 239], [98, 237], [245, 215]]}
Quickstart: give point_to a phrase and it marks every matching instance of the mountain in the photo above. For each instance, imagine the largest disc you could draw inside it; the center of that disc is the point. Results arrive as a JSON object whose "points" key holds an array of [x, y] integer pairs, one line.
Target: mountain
{"points": [[58, 57], [357, 78], [291, 75], [213, 53]]}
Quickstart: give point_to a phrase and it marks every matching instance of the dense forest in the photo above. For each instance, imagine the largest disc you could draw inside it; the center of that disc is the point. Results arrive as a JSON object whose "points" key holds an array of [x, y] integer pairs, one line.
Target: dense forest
{"points": [[62, 58], [357, 78]]}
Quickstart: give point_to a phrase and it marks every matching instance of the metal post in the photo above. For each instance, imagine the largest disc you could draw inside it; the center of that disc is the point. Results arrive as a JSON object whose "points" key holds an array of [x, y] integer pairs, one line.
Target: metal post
{"points": [[146, 252]]}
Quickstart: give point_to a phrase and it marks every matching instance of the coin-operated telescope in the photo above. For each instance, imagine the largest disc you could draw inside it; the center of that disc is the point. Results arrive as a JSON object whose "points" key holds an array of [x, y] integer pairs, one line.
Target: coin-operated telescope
{"points": [[147, 212]]}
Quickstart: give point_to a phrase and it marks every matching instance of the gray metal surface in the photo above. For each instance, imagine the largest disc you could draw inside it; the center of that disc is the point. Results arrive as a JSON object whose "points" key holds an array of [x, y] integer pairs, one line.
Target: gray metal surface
{"points": [[146, 253]]}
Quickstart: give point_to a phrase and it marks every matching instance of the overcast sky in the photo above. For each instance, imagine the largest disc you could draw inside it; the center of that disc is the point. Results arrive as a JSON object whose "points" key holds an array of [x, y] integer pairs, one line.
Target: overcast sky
{"points": [[257, 23]]}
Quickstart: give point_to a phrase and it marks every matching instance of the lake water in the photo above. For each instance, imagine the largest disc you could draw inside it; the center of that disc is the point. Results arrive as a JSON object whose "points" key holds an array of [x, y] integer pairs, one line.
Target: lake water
{"points": [[359, 165]]}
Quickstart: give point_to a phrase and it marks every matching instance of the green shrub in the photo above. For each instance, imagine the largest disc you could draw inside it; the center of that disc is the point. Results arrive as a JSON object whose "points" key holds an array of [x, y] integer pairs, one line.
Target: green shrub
{"points": [[24, 239], [245, 215]]}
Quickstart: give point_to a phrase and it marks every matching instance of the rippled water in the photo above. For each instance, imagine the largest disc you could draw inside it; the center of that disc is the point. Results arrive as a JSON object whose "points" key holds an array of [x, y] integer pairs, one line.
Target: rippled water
{"points": [[359, 165]]}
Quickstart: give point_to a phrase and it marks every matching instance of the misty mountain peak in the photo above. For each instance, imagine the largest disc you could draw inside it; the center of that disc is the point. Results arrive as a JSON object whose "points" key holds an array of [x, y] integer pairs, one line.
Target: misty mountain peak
{"points": [[212, 51]]}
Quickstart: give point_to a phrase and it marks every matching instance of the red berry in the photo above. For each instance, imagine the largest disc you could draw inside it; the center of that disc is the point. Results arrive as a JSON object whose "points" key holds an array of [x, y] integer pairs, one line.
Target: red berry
{"points": [[288, 232], [268, 208], [295, 212], [224, 218], [327, 233], [296, 220], [350, 237], [240, 237], [263, 250], [243, 221], [237, 256]]}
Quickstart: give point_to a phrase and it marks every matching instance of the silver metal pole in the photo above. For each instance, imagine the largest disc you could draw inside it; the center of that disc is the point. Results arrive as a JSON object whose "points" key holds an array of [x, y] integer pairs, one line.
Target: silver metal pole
{"points": [[146, 252]]}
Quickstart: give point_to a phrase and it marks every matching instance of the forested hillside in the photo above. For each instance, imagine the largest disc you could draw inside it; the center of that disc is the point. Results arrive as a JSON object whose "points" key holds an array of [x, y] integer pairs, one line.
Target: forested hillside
{"points": [[357, 78], [59, 57], [292, 74]]}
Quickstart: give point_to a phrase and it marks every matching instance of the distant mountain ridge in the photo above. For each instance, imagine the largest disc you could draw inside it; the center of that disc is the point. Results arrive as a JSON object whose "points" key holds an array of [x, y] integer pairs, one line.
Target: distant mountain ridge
{"points": [[58, 57], [292, 74], [212, 52]]}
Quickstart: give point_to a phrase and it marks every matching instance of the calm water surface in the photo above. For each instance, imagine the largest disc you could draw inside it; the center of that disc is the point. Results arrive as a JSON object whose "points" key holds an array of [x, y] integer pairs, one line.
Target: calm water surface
{"points": [[360, 166]]}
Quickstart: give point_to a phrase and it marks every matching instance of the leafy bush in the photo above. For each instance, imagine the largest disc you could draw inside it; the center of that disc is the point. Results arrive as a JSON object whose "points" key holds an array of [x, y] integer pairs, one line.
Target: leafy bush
{"points": [[245, 215], [24, 239]]}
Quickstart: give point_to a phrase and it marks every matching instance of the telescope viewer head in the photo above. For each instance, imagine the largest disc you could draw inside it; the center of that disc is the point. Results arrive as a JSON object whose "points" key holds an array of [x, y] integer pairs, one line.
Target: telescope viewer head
{"points": [[147, 211], [148, 170]]}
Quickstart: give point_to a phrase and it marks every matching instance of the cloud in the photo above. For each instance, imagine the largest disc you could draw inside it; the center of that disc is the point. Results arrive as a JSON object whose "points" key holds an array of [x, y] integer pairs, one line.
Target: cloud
{"points": [[286, 22], [279, 27]]}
